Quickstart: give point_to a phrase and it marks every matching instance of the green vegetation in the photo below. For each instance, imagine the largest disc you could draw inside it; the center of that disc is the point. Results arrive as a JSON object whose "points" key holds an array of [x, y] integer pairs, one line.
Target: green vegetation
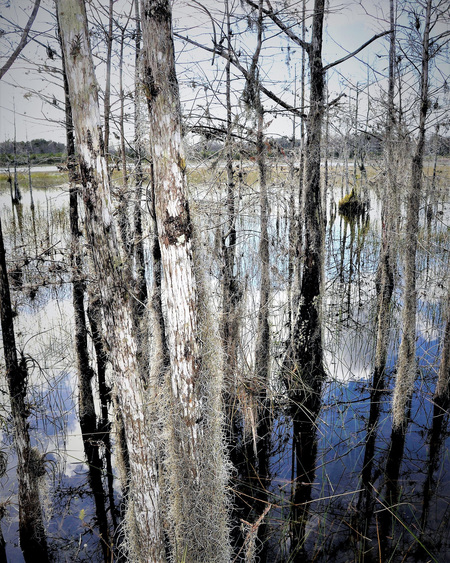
{"points": [[39, 151], [39, 179]]}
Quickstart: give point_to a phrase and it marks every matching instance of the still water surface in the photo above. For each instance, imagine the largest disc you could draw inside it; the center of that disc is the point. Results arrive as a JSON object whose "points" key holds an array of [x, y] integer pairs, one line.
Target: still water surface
{"points": [[340, 500]]}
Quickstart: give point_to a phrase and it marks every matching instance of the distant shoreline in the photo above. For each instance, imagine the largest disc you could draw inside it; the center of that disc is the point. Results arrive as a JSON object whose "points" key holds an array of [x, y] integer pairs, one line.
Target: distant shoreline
{"points": [[22, 169]]}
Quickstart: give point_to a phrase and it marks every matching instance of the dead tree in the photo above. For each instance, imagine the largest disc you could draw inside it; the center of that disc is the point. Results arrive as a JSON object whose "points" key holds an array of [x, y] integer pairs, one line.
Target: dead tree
{"points": [[107, 96], [304, 358], [86, 408]]}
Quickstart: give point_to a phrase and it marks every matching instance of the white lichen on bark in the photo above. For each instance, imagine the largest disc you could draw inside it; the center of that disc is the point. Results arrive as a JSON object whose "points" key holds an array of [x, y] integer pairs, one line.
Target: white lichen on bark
{"points": [[195, 465], [145, 537]]}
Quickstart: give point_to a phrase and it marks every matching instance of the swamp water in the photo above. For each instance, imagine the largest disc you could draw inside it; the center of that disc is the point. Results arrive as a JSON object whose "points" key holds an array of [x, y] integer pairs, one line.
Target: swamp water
{"points": [[327, 491]]}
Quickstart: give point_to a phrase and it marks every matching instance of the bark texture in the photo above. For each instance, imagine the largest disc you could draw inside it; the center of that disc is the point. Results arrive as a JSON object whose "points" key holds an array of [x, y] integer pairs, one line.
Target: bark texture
{"points": [[86, 408], [143, 519], [172, 213], [107, 96], [194, 461], [306, 346]]}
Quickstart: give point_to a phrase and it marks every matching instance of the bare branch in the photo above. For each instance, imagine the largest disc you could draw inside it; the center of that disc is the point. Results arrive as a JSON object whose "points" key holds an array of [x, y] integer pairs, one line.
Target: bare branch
{"points": [[438, 38], [350, 55], [336, 100], [205, 9], [22, 42], [287, 29], [234, 61]]}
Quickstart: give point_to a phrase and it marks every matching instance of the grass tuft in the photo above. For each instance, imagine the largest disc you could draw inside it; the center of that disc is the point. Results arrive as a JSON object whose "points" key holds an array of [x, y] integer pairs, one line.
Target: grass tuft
{"points": [[351, 205]]}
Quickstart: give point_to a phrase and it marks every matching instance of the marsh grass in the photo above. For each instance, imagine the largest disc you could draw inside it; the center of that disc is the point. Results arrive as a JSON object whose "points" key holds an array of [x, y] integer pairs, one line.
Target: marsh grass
{"points": [[39, 179]]}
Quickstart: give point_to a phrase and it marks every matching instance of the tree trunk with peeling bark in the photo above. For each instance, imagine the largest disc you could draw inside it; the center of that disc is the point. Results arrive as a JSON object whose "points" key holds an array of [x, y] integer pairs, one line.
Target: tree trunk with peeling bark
{"points": [[143, 524], [172, 210], [198, 515], [86, 410]]}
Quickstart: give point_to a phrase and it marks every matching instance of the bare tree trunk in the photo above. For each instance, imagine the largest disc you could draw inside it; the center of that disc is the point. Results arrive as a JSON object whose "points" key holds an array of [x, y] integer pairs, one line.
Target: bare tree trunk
{"points": [[33, 541], [138, 104], [143, 518], [385, 273], [122, 192], [199, 521], [172, 211], [107, 98], [292, 233], [406, 371], [231, 291], [356, 184], [139, 266], [298, 207], [86, 409], [262, 351], [262, 432], [104, 426], [161, 356], [326, 171], [122, 112], [384, 283], [306, 356]]}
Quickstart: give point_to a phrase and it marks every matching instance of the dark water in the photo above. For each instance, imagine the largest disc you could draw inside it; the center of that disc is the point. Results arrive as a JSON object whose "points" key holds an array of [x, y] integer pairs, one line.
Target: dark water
{"points": [[326, 488], [344, 515]]}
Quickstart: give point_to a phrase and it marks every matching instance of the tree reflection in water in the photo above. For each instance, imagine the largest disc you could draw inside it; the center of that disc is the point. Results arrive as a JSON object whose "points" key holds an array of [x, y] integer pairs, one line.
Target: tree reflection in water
{"points": [[325, 481]]}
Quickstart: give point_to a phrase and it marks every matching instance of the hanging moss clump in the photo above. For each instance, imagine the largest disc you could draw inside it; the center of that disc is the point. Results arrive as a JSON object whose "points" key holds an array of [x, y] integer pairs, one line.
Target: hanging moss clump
{"points": [[351, 205]]}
